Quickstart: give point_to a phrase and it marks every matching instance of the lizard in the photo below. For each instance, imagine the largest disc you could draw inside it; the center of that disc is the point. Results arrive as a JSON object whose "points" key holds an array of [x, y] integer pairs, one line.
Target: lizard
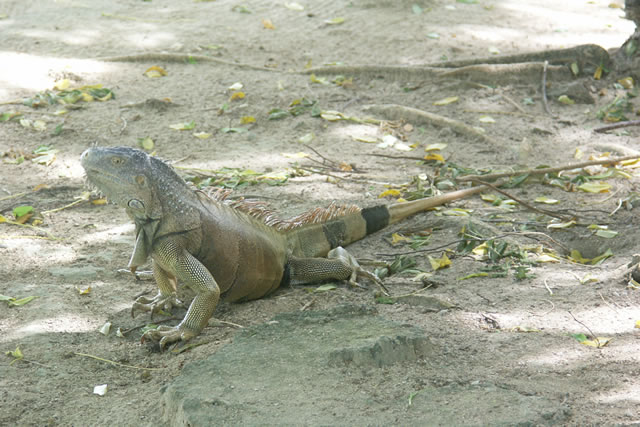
{"points": [[237, 250]]}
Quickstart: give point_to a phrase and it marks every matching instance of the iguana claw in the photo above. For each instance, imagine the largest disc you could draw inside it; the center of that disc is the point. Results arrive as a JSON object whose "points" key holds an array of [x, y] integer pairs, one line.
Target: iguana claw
{"points": [[157, 304], [168, 334]]}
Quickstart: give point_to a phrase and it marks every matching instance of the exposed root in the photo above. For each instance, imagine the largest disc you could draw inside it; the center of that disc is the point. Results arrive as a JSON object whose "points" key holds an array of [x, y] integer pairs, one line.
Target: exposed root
{"points": [[415, 116], [588, 54], [504, 74], [373, 71], [179, 57], [543, 171]]}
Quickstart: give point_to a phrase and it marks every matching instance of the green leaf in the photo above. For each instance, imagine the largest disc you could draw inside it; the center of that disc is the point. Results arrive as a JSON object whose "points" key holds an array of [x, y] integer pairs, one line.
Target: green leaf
{"points": [[277, 114], [233, 130], [579, 337], [417, 10], [22, 301], [19, 211], [385, 300], [325, 288]]}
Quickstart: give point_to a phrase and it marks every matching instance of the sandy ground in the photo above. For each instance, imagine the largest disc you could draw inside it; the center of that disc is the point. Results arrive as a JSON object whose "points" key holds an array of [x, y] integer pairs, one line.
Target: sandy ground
{"points": [[509, 331]]}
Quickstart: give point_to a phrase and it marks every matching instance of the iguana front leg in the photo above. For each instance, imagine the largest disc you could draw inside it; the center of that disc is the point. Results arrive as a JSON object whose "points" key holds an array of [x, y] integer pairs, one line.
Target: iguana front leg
{"points": [[339, 265], [187, 268], [167, 297]]}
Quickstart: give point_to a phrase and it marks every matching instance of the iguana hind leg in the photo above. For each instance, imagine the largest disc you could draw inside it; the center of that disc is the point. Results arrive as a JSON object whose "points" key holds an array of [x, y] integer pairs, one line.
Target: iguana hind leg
{"points": [[188, 269], [339, 265], [165, 300]]}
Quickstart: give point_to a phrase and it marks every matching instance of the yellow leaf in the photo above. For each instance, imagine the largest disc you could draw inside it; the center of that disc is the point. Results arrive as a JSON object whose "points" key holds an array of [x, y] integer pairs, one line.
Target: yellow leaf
{"points": [[397, 238], [626, 82], [85, 291], [334, 21], [491, 198], [321, 80], [637, 324], [202, 135], [436, 157], [237, 95], [306, 138], [564, 99], [457, 212], [146, 143], [298, 155], [578, 154], [598, 74], [245, 120], [62, 84], [561, 225], [595, 187], [2, 219], [155, 71], [267, 24], [435, 147], [546, 200], [101, 201], [294, 6], [480, 250], [547, 258], [332, 116], [367, 139], [16, 354], [487, 119], [446, 101], [598, 342], [390, 192], [438, 263]]}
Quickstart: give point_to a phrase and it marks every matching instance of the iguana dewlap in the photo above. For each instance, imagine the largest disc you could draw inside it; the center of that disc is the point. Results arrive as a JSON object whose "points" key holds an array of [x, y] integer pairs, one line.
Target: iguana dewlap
{"points": [[236, 250]]}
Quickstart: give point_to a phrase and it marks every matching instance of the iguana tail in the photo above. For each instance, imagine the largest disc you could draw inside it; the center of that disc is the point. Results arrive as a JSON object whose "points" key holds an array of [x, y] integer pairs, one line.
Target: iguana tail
{"points": [[317, 239]]}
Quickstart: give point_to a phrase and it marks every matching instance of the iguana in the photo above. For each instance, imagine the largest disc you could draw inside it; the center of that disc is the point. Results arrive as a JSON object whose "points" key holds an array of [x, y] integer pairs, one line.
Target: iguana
{"points": [[237, 250]]}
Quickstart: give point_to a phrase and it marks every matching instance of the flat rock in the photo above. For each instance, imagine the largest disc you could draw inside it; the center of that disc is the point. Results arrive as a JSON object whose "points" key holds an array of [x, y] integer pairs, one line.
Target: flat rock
{"points": [[316, 367]]}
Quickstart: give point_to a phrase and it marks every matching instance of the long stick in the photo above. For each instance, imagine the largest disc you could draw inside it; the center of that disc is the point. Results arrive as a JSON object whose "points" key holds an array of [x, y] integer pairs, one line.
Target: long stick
{"points": [[547, 170]]}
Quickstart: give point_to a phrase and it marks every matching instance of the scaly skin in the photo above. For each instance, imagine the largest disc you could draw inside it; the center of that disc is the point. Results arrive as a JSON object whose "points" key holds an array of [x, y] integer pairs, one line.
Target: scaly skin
{"points": [[219, 249]]}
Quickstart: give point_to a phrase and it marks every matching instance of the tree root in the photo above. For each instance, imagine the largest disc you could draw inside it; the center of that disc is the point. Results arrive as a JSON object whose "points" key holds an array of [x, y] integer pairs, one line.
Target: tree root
{"points": [[179, 57], [415, 116], [588, 54], [543, 171]]}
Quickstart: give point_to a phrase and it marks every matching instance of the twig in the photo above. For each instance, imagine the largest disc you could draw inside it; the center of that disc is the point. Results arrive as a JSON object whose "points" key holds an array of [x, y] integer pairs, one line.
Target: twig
{"points": [[522, 202], [547, 286], [224, 322], [398, 157], [617, 126], [547, 170], [416, 116], [514, 103], [117, 363], [33, 227], [179, 57], [544, 89], [509, 113], [590, 331], [308, 304], [77, 202]]}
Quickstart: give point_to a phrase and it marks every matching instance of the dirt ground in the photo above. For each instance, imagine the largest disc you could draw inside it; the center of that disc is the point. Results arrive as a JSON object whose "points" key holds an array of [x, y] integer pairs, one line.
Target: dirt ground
{"points": [[511, 327]]}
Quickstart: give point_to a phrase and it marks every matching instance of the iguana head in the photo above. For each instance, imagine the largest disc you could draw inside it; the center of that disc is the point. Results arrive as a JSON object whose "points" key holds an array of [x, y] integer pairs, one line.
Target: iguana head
{"points": [[147, 187]]}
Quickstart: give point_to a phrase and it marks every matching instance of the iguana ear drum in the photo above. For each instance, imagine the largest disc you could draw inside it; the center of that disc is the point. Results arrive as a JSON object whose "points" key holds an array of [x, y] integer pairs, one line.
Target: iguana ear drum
{"points": [[140, 179], [376, 217]]}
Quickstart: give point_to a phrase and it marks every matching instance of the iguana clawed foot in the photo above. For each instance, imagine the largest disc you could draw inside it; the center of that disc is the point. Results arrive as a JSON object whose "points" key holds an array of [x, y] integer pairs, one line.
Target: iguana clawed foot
{"points": [[343, 255], [166, 335], [157, 304]]}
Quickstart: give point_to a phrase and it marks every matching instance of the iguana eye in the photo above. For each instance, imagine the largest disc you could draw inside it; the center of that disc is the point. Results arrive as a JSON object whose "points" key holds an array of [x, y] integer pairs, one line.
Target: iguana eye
{"points": [[117, 160]]}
